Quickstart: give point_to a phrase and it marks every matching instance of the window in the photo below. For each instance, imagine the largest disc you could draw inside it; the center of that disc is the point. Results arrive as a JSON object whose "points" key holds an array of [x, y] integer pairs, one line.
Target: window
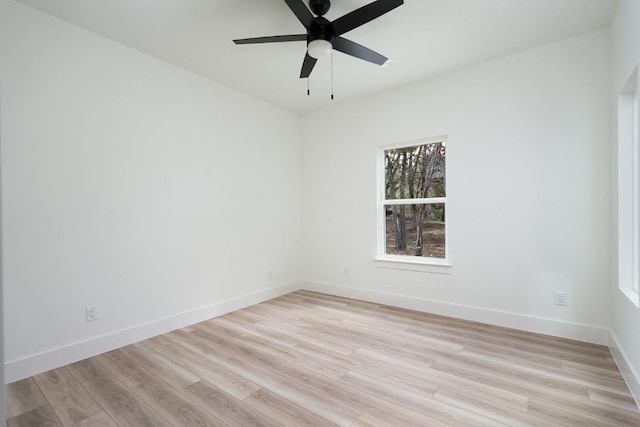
{"points": [[628, 189], [412, 202]]}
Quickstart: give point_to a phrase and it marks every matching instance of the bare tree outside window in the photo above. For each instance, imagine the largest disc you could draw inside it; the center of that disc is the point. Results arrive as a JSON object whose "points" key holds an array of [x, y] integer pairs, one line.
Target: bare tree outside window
{"points": [[414, 200]]}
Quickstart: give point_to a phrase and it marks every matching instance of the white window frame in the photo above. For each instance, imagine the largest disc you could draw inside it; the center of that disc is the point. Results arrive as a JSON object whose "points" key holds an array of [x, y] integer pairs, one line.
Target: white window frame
{"points": [[406, 262], [628, 189]]}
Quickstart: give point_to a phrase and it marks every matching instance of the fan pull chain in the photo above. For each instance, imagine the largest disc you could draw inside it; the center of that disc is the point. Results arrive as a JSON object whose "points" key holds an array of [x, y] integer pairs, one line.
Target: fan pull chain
{"points": [[332, 74], [308, 91]]}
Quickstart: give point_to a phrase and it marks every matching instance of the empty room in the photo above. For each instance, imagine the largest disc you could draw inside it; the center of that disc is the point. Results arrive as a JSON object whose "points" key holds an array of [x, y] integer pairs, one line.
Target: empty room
{"points": [[318, 213]]}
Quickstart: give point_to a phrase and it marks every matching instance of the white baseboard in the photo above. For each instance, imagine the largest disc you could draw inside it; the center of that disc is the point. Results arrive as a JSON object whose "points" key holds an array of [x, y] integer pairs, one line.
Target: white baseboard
{"points": [[592, 334], [41, 362], [31, 365], [630, 375]]}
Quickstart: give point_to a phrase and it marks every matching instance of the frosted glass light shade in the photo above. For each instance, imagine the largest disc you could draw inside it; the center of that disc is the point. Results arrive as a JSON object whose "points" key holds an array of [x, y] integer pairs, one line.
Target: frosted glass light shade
{"points": [[319, 49]]}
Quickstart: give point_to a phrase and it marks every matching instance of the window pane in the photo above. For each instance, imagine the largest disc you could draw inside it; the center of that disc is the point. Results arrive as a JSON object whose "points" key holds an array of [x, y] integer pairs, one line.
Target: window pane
{"points": [[415, 230], [415, 172]]}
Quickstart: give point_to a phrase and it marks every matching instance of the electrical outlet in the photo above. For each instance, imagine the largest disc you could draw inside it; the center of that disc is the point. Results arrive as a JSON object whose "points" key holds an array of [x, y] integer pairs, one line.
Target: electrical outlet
{"points": [[92, 313], [561, 298]]}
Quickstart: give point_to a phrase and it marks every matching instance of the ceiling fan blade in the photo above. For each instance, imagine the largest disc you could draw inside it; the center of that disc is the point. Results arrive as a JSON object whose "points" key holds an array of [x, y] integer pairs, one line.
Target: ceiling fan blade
{"points": [[357, 50], [272, 39], [307, 66], [363, 15], [300, 10]]}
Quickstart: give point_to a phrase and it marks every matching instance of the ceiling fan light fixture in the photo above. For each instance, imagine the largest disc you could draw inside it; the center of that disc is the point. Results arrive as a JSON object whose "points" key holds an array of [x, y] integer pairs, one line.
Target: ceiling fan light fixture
{"points": [[319, 49]]}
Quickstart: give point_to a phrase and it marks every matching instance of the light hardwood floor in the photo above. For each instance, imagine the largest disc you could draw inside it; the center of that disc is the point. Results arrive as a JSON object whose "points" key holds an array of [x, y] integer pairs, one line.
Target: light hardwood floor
{"points": [[307, 359]]}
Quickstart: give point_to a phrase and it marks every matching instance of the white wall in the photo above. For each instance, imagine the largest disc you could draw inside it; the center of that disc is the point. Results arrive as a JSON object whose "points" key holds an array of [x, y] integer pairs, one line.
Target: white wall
{"points": [[528, 184], [625, 319], [132, 185]]}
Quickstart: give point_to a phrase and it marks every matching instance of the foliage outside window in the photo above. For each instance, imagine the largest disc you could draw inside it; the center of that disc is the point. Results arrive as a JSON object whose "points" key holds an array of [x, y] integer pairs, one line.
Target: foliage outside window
{"points": [[413, 218]]}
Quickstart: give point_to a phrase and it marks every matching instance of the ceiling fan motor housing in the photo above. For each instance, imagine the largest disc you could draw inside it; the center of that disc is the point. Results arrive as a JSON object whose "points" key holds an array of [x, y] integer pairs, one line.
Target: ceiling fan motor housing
{"points": [[319, 7], [320, 29]]}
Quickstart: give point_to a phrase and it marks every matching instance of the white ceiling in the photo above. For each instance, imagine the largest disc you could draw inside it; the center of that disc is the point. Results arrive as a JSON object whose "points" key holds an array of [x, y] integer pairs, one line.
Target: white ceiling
{"points": [[422, 37]]}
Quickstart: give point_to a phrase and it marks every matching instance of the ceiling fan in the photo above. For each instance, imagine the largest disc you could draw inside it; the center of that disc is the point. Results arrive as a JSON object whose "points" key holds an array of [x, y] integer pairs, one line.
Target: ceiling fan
{"points": [[323, 35]]}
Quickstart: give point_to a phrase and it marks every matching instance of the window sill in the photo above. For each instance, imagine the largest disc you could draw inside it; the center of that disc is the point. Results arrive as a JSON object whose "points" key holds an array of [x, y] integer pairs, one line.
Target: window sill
{"points": [[405, 263]]}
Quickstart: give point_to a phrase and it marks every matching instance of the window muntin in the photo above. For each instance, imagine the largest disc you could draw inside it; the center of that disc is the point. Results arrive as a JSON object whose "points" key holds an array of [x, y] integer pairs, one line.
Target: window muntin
{"points": [[412, 217]]}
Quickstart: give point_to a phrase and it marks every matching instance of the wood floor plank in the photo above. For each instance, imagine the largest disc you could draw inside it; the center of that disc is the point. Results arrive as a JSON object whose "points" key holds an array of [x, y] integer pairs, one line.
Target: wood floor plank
{"points": [[479, 404], [285, 411], [275, 336], [509, 378], [309, 359], [396, 358], [489, 333], [217, 327], [123, 368], [293, 356], [403, 334], [162, 367], [594, 373], [416, 402], [520, 343], [270, 311], [295, 391], [160, 396], [101, 419], [42, 416], [23, 396], [242, 317], [621, 401], [562, 415], [123, 406], [361, 422], [234, 412], [593, 410], [223, 378], [174, 406], [335, 358], [345, 332], [193, 342], [385, 416], [69, 399], [550, 373], [397, 377], [417, 378], [311, 336]]}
